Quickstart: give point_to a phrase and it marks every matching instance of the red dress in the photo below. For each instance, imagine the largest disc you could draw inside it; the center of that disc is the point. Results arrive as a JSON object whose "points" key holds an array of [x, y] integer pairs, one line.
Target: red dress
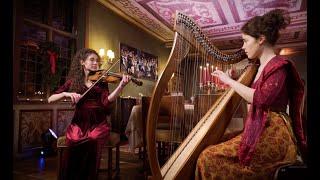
{"points": [[279, 85], [269, 139], [87, 133]]}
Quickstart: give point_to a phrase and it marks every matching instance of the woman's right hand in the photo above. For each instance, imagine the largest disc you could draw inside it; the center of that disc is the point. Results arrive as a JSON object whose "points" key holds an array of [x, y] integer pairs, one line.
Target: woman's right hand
{"points": [[224, 77], [74, 96]]}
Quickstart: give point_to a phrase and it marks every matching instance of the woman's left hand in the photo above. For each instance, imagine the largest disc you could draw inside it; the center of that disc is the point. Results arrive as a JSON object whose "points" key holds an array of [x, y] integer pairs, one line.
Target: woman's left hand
{"points": [[222, 76], [125, 80]]}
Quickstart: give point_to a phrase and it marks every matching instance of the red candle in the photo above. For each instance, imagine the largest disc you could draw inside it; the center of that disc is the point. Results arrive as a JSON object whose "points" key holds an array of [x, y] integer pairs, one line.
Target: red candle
{"points": [[208, 74], [216, 78], [200, 74], [205, 75], [212, 77]]}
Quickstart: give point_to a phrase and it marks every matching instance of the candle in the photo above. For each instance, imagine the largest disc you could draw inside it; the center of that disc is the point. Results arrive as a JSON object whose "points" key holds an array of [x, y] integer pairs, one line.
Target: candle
{"points": [[200, 75], [205, 75], [215, 78], [212, 77], [208, 74]]}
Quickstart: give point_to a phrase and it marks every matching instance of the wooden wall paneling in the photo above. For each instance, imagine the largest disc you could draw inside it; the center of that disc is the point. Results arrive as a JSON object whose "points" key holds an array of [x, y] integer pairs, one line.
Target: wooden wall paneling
{"points": [[32, 123], [31, 120]]}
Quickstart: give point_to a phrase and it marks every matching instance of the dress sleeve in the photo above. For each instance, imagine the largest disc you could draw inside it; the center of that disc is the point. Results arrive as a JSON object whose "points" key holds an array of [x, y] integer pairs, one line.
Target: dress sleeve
{"points": [[269, 90], [65, 87]]}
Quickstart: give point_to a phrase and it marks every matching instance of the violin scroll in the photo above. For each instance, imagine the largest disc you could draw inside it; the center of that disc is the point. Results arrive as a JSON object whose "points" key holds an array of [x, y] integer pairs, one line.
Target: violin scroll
{"points": [[137, 82]]}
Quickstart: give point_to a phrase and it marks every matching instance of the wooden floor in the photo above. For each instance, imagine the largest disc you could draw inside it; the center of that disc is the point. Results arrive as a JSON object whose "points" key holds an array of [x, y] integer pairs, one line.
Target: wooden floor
{"points": [[131, 168]]}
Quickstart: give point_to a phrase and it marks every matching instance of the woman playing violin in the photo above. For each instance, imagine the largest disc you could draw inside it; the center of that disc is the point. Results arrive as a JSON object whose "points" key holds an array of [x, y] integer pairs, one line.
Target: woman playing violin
{"points": [[88, 130]]}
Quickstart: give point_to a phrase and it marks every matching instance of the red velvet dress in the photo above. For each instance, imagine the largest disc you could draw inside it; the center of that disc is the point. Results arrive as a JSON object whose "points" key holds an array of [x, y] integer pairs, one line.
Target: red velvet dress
{"points": [[86, 134], [269, 139]]}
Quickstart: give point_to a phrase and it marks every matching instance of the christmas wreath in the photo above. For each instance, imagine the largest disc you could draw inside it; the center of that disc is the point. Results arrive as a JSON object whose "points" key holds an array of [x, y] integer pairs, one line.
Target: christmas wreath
{"points": [[52, 64]]}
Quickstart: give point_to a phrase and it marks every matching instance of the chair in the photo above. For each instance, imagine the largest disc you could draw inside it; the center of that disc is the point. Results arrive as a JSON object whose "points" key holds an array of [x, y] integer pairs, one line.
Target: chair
{"points": [[291, 171], [163, 134], [299, 169]]}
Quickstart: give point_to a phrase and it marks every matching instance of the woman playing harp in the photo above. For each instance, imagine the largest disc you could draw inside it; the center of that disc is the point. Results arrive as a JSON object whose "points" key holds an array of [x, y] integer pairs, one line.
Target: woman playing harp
{"points": [[271, 137], [177, 132]]}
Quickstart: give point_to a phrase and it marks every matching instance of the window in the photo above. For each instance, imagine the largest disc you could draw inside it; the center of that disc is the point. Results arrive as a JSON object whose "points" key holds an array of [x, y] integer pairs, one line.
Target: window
{"points": [[36, 10], [66, 50], [45, 22]]}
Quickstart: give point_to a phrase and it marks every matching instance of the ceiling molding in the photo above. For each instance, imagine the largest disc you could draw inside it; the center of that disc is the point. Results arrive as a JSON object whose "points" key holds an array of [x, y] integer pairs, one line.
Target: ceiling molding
{"points": [[220, 20], [129, 10]]}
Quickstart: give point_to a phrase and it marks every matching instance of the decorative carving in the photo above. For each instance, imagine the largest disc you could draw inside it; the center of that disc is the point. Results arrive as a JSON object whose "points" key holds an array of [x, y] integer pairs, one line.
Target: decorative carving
{"points": [[134, 10], [32, 125], [220, 20]]}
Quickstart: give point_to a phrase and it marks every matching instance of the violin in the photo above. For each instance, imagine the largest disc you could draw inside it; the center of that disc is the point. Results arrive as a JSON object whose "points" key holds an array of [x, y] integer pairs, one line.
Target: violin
{"points": [[109, 77], [106, 76]]}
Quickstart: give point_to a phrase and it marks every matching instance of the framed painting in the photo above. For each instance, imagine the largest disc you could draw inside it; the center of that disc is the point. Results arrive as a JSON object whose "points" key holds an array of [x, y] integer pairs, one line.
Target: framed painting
{"points": [[138, 63]]}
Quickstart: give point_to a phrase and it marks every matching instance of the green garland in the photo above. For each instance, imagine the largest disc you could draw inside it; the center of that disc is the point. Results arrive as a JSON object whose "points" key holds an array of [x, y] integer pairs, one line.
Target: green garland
{"points": [[48, 78]]}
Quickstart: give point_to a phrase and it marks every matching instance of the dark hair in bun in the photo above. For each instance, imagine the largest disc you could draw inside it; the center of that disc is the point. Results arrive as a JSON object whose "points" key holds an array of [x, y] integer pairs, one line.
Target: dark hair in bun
{"points": [[268, 25]]}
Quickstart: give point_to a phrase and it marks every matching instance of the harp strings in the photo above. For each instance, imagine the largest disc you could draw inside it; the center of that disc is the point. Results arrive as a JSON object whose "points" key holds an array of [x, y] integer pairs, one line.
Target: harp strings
{"points": [[186, 82]]}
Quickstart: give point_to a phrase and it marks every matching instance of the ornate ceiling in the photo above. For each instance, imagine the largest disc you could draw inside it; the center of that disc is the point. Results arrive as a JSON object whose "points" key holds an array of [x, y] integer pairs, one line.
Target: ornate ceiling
{"points": [[221, 20]]}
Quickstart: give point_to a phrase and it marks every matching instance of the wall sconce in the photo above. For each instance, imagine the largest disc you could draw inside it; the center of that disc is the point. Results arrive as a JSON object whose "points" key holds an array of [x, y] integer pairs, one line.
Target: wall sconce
{"points": [[110, 55], [101, 53], [102, 56], [287, 51]]}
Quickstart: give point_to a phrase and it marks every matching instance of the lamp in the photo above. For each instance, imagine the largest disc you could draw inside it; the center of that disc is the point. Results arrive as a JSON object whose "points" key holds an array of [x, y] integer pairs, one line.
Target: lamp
{"points": [[102, 56], [110, 55], [49, 139], [286, 51], [101, 53]]}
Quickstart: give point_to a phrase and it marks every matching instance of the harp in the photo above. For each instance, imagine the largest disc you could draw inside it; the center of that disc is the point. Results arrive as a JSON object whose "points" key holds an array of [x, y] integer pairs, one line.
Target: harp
{"points": [[191, 49]]}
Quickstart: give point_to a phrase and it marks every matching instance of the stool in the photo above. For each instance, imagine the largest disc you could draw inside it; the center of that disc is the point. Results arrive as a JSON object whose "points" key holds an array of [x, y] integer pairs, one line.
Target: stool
{"points": [[166, 139], [291, 171], [113, 141]]}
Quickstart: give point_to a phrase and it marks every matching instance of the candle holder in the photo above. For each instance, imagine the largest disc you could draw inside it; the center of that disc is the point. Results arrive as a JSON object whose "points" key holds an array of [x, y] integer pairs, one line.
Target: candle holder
{"points": [[207, 88], [201, 85]]}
